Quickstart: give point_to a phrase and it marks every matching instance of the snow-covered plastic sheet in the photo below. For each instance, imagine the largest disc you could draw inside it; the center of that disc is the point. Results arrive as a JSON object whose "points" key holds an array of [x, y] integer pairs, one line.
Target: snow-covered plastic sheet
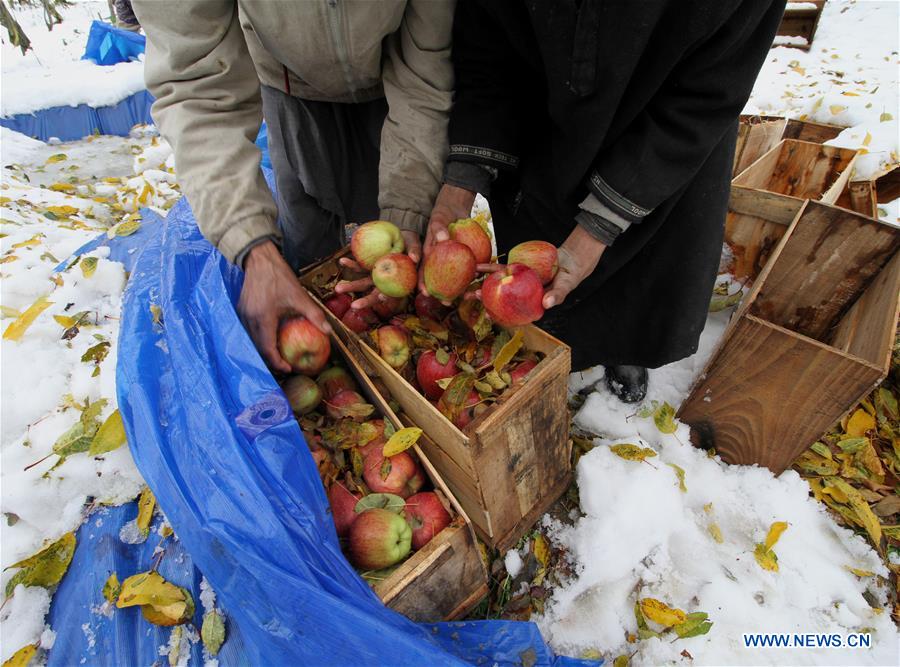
{"points": [[76, 122], [108, 45], [216, 441]]}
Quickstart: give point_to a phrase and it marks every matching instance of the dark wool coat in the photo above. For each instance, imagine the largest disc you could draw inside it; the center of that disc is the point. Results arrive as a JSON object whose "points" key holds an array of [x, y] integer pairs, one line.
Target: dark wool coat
{"points": [[636, 101]]}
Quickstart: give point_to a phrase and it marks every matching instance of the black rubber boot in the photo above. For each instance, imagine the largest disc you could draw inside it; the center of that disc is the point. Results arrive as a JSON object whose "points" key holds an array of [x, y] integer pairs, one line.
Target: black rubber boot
{"points": [[627, 383]]}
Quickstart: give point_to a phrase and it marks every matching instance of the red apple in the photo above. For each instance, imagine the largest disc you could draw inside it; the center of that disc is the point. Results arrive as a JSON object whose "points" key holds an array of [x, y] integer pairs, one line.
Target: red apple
{"points": [[471, 233], [448, 269], [389, 306], [513, 296], [303, 345], [339, 304], [464, 416], [360, 320], [402, 476], [347, 403], [429, 370], [426, 516], [395, 275], [379, 538], [302, 393], [393, 345], [334, 379], [521, 370], [342, 503], [539, 256], [427, 307], [374, 240]]}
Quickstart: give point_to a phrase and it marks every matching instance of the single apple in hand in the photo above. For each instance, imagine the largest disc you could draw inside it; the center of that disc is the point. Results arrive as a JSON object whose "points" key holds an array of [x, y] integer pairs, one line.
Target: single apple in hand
{"points": [[338, 304], [513, 296], [374, 240], [393, 345], [342, 503], [539, 256], [334, 379], [302, 393], [426, 516], [471, 233], [379, 538], [448, 270], [399, 474], [395, 275], [303, 345], [429, 370]]}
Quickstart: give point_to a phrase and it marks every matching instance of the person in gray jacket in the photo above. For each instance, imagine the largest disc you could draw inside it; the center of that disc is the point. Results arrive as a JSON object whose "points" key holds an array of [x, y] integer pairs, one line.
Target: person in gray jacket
{"points": [[356, 96]]}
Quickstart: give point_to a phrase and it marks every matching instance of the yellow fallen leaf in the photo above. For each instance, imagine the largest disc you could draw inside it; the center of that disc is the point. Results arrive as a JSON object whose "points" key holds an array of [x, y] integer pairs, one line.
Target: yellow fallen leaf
{"points": [[508, 351], [33, 241], [766, 558], [110, 436], [401, 440], [837, 109], [22, 657], [146, 505], [621, 661], [8, 258], [868, 139], [679, 472], [775, 531], [62, 187], [88, 266], [631, 452], [541, 550], [17, 329], [708, 508], [716, 533], [858, 572], [156, 313], [660, 612], [7, 311], [46, 568], [860, 423], [58, 157]]}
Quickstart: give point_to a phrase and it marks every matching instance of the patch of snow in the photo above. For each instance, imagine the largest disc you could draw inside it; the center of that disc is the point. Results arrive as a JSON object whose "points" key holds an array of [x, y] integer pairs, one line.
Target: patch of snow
{"points": [[22, 618], [513, 562]]}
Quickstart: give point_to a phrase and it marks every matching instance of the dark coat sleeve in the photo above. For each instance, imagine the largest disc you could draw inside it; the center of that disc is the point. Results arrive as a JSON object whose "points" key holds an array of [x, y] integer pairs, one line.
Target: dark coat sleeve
{"points": [[668, 142], [484, 125]]}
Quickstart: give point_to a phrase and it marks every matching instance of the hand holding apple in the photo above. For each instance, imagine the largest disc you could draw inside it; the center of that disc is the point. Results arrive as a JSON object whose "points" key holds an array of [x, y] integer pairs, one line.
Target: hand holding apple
{"points": [[303, 345], [578, 257]]}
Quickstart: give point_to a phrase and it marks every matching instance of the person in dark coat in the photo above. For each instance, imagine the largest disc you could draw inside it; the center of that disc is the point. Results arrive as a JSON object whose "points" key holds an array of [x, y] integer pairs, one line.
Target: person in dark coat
{"points": [[608, 128]]}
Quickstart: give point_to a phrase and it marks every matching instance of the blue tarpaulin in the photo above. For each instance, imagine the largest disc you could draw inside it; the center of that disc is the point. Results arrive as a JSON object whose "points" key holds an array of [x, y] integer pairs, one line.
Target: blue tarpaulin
{"points": [[106, 45], [214, 438]]}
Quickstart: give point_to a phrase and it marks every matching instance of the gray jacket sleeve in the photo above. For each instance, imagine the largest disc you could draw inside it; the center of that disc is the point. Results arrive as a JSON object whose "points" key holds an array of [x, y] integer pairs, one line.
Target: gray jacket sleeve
{"points": [[418, 85], [208, 107]]}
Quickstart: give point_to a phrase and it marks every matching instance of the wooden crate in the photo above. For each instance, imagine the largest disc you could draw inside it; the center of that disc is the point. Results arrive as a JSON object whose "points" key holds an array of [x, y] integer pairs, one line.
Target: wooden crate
{"points": [[801, 20], [514, 460], [757, 135], [766, 196], [806, 130], [447, 577], [811, 339]]}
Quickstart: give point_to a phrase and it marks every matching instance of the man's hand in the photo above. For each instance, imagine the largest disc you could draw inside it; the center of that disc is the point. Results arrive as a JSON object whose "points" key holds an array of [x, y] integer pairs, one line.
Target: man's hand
{"points": [[413, 250], [271, 291], [452, 204], [578, 257]]}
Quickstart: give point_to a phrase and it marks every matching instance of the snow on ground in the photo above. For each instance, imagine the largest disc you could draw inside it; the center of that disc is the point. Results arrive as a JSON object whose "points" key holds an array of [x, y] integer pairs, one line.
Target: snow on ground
{"points": [[641, 536], [54, 199], [52, 73], [849, 77]]}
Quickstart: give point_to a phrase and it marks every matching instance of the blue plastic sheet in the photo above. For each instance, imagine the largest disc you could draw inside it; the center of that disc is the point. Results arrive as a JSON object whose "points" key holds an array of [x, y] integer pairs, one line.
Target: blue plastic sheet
{"points": [[76, 122], [108, 45]]}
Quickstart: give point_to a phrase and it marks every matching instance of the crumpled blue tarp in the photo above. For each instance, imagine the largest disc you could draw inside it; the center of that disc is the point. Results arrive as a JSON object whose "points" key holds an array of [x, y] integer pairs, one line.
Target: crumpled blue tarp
{"points": [[108, 45], [215, 439]]}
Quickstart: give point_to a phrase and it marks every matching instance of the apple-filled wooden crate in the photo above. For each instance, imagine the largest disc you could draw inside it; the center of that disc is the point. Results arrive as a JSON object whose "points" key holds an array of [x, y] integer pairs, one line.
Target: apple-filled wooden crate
{"points": [[440, 580], [513, 460], [809, 341]]}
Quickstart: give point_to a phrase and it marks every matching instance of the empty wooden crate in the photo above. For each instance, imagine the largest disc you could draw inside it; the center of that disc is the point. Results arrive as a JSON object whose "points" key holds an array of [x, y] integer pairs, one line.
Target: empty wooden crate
{"points": [[812, 338], [513, 461], [766, 196]]}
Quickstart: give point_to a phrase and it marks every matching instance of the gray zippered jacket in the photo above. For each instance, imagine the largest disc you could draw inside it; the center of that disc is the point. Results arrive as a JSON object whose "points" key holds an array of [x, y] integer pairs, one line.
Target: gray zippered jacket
{"points": [[206, 59]]}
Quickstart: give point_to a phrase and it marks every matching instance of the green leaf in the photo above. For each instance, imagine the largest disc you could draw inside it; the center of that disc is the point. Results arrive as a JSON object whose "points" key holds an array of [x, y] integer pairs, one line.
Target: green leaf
{"points": [[58, 157], [128, 227], [821, 449], [212, 632], [96, 353], [110, 436], [387, 501], [664, 418], [45, 568], [719, 303], [695, 625], [442, 356], [679, 472]]}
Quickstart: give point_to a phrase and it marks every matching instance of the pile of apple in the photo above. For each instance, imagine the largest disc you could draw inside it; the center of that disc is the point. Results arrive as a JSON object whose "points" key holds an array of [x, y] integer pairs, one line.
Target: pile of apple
{"points": [[446, 342], [380, 506]]}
